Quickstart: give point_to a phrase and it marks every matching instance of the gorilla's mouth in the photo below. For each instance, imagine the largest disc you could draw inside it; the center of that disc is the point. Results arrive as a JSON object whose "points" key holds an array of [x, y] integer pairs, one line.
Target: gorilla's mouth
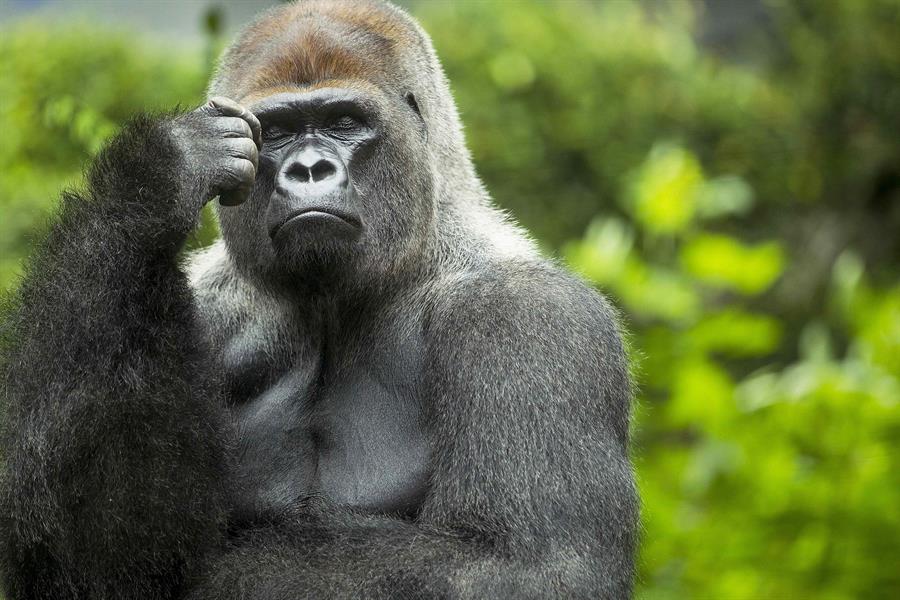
{"points": [[329, 221]]}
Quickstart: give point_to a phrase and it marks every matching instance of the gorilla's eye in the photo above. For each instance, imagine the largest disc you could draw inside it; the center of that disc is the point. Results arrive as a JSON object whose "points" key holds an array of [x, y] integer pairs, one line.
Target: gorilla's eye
{"points": [[344, 123], [411, 100], [274, 134]]}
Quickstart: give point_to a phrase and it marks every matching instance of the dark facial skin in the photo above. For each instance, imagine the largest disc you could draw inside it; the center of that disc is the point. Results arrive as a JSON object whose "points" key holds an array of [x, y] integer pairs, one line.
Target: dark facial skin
{"points": [[311, 144]]}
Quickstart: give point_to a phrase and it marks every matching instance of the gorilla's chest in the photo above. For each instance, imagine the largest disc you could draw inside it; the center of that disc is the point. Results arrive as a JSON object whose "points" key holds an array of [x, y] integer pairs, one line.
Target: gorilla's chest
{"points": [[344, 423]]}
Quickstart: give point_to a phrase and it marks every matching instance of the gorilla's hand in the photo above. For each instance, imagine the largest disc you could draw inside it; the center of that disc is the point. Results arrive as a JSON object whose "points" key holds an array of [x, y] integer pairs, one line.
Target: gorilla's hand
{"points": [[221, 142]]}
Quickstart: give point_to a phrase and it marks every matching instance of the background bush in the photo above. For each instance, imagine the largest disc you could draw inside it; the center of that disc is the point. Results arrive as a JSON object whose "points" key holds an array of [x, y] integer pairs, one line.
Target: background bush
{"points": [[740, 207]]}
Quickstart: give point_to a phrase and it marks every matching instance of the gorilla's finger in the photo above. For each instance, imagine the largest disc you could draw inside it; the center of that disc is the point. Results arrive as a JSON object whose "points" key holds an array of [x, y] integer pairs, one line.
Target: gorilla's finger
{"points": [[237, 128], [255, 127], [234, 197], [242, 173], [243, 148], [229, 108], [225, 106]]}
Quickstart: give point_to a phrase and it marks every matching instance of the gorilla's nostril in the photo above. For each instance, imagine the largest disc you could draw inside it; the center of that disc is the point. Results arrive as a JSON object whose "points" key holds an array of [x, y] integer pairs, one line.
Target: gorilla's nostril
{"points": [[323, 169], [311, 172]]}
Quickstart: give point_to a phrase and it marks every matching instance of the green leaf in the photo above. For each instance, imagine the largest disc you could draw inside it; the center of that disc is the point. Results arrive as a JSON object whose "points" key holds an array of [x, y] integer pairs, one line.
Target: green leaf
{"points": [[736, 333], [702, 396], [664, 193], [725, 262]]}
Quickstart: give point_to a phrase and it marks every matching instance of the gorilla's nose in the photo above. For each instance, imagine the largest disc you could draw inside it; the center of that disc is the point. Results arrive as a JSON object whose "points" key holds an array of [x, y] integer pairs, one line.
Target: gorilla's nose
{"points": [[311, 165], [313, 195]]}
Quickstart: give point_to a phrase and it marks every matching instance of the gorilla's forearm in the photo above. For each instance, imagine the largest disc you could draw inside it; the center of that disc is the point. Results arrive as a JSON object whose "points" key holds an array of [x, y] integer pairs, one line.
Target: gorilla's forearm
{"points": [[114, 452], [382, 558]]}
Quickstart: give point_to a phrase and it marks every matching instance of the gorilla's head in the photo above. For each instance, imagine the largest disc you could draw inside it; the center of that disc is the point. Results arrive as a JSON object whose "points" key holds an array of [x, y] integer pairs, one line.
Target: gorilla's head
{"points": [[346, 185]]}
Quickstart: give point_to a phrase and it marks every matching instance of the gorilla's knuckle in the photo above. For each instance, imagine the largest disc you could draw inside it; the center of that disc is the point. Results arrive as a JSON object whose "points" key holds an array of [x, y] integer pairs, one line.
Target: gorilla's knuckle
{"points": [[242, 127], [241, 148], [252, 121], [243, 170]]}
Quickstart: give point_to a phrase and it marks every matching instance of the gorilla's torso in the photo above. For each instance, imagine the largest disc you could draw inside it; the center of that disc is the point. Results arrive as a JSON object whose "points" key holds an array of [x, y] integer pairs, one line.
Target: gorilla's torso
{"points": [[340, 415]]}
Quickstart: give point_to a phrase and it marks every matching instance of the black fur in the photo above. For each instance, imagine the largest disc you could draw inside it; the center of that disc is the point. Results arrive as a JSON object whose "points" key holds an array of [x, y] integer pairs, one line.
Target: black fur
{"points": [[116, 453], [434, 411]]}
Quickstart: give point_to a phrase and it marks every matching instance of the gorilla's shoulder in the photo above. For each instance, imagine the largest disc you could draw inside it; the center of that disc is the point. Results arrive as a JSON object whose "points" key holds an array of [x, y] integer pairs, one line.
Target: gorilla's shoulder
{"points": [[535, 330], [534, 300]]}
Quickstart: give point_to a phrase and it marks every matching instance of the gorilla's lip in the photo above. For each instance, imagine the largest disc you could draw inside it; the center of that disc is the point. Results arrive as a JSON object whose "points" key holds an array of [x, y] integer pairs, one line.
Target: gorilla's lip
{"points": [[319, 214]]}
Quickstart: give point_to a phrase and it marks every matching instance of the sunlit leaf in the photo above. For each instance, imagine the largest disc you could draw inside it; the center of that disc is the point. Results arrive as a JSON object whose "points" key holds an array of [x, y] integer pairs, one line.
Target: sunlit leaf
{"points": [[702, 395], [737, 333], [728, 263], [664, 194]]}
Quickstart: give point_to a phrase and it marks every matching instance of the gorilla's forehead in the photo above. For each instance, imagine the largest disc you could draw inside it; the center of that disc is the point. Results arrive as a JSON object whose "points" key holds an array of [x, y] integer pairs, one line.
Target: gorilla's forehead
{"points": [[314, 43]]}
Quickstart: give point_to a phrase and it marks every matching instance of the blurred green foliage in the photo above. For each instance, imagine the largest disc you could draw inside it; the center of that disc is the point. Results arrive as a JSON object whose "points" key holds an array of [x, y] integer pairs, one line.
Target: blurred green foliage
{"points": [[63, 91], [743, 210]]}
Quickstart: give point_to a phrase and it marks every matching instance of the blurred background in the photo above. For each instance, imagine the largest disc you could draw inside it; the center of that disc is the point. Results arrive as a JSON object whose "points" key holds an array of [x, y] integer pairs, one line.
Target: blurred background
{"points": [[727, 171]]}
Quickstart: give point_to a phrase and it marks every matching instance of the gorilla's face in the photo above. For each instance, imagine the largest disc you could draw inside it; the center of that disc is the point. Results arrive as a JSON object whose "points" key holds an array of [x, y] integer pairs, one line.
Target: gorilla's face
{"points": [[311, 143], [343, 187]]}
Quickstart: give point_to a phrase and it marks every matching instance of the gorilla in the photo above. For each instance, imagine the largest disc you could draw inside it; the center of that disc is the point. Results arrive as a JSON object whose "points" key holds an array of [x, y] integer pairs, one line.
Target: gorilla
{"points": [[373, 386]]}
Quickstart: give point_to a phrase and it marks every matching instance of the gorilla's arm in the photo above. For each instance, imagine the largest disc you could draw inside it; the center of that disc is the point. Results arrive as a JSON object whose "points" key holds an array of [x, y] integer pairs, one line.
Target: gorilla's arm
{"points": [[532, 494], [531, 396], [115, 455]]}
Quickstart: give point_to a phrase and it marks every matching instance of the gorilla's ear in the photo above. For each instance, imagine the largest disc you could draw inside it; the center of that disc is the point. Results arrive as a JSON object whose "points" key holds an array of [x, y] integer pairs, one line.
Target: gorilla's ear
{"points": [[413, 104], [411, 100]]}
